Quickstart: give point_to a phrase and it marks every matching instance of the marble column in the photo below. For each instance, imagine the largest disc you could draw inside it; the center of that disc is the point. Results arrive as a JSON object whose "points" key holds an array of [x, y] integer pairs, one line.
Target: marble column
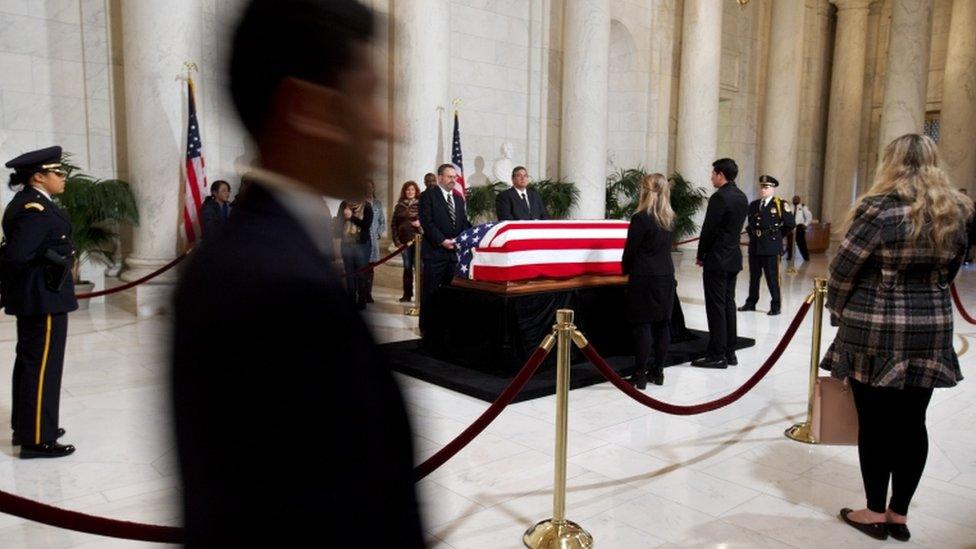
{"points": [[958, 118], [586, 74], [421, 60], [844, 119], [784, 76], [158, 38], [907, 73], [698, 87]]}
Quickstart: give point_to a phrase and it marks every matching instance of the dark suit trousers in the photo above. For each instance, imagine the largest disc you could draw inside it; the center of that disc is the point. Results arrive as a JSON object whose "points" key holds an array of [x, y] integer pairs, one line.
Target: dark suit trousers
{"points": [[720, 309], [801, 241], [37, 377], [768, 266], [436, 273]]}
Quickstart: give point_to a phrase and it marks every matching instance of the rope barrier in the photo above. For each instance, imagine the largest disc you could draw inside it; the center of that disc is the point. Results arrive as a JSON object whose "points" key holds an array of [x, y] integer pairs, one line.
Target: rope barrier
{"points": [[958, 302], [89, 524], [489, 415], [685, 410], [134, 283], [373, 265]]}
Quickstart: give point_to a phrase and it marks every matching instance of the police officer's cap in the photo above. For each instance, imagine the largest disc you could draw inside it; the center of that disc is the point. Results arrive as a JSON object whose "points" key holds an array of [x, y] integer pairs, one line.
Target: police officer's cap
{"points": [[768, 181], [39, 160]]}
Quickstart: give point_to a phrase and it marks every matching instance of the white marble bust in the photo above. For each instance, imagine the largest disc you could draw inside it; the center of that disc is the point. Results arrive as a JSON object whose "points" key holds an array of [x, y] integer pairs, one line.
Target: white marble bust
{"points": [[501, 168]]}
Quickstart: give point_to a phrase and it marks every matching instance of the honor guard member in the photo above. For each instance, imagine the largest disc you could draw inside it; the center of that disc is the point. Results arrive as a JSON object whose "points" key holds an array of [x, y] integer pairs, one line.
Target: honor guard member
{"points": [[36, 286], [769, 219]]}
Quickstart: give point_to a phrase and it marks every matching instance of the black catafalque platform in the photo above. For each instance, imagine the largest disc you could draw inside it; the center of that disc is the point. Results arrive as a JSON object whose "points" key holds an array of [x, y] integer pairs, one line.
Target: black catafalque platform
{"points": [[480, 335]]}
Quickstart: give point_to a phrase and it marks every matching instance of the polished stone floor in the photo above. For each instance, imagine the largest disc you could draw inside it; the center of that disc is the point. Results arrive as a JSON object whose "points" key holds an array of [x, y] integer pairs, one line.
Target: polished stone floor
{"points": [[637, 478]]}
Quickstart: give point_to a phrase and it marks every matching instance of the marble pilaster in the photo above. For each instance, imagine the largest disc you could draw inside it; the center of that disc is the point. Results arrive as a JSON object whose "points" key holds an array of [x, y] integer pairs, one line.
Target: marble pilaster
{"points": [[907, 73], [958, 120], [586, 73]]}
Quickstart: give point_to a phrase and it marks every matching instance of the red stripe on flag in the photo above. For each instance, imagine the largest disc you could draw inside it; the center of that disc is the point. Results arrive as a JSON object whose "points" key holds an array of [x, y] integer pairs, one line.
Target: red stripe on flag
{"points": [[546, 270]]}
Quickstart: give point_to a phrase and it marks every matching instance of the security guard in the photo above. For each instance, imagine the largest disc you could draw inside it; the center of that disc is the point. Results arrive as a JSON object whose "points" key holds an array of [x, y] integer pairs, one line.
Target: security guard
{"points": [[770, 218], [36, 261]]}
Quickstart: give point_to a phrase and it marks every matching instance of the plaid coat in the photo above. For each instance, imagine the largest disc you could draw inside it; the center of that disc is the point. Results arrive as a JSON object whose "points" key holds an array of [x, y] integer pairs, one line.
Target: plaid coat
{"points": [[891, 301]]}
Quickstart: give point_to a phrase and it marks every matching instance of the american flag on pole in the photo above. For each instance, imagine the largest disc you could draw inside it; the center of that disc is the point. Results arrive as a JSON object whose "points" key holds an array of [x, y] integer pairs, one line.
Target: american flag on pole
{"points": [[456, 157], [509, 251], [196, 177]]}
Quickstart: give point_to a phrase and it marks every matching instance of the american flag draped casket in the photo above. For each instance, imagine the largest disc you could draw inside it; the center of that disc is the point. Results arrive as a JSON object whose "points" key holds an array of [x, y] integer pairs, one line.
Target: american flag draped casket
{"points": [[509, 251]]}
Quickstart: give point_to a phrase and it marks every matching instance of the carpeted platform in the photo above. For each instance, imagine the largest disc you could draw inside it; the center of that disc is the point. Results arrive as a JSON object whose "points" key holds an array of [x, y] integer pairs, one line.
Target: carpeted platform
{"points": [[408, 358]]}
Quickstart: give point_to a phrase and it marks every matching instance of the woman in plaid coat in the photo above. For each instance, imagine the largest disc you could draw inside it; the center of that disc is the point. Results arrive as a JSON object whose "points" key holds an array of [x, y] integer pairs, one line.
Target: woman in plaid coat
{"points": [[888, 293]]}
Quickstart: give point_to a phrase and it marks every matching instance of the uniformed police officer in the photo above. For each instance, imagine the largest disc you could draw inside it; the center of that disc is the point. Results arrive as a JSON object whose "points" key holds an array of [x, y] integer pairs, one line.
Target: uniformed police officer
{"points": [[36, 287], [770, 218]]}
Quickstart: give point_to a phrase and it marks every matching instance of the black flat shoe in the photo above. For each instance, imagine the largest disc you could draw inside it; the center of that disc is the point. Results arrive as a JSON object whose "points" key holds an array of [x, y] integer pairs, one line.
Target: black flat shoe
{"points": [[656, 377], [638, 380], [46, 450], [899, 531], [877, 530], [15, 440], [747, 308], [732, 360], [717, 363]]}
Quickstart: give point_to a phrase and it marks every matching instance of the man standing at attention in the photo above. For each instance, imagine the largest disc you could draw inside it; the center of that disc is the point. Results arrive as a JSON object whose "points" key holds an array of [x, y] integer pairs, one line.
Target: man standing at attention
{"points": [[721, 260], [770, 218]]}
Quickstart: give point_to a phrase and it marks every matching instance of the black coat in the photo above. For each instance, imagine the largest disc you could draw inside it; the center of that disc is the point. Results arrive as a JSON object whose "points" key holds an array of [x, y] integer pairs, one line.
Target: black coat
{"points": [[36, 257], [339, 224], [768, 226], [436, 223], [211, 218], [290, 426], [718, 247], [647, 259], [510, 207]]}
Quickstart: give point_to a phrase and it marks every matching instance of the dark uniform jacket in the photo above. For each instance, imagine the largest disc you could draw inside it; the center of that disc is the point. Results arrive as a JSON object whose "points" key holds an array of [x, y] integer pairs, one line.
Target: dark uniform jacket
{"points": [[891, 300], [36, 257], [211, 216], [718, 246], [436, 223], [509, 206], [768, 226]]}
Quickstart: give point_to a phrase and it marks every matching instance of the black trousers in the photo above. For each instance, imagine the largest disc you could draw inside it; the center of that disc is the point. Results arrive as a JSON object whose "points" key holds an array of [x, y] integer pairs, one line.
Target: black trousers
{"points": [[720, 309], [651, 337], [768, 266], [37, 377], [436, 273], [801, 243], [892, 443]]}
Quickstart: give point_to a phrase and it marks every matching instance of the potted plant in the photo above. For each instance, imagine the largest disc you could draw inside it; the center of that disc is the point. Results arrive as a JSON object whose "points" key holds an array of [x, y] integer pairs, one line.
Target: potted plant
{"points": [[623, 195], [480, 201], [95, 208]]}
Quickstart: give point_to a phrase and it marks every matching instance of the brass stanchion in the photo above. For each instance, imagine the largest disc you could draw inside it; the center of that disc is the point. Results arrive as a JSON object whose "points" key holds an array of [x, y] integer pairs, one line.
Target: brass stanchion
{"points": [[802, 431], [415, 310], [557, 532]]}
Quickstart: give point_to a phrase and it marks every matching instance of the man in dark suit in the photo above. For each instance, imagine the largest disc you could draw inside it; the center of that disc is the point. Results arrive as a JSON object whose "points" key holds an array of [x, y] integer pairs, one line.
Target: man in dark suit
{"points": [[770, 218], [291, 430], [721, 260], [519, 203], [443, 218]]}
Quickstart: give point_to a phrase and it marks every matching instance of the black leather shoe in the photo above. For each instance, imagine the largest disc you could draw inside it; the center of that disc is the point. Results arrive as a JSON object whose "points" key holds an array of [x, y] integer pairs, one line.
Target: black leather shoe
{"points": [[656, 376], [899, 531], [773, 312], [15, 440], [46, 450], [731, 360], [710, 363], [638, 379], [877, 530], [747, 307]]}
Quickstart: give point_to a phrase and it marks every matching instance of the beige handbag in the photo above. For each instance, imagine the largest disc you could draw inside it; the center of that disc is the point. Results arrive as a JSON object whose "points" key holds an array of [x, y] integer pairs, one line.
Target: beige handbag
{"points": [[834, 415]]}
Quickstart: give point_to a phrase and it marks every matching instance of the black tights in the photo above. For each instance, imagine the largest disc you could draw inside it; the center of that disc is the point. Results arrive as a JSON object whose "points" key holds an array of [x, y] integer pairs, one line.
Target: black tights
{"points": [[656, 335], [892, 442]]}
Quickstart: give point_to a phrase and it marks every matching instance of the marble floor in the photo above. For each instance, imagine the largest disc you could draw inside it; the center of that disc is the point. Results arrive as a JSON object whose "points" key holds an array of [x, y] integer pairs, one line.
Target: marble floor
{"points": [[637, 478]]}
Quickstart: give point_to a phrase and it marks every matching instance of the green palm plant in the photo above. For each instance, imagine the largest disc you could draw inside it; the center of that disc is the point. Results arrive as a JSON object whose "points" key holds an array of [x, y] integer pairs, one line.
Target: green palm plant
{"points": [[479, 201], [96, 208], [623, 195], [623, 192], [559, 196]]}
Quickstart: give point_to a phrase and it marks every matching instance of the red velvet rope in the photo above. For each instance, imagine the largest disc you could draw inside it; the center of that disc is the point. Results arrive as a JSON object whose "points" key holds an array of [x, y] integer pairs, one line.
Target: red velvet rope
{"points": [[958, 302], [489, 415], [375, 264], [89, 524], [683, 410], [134, 283]]}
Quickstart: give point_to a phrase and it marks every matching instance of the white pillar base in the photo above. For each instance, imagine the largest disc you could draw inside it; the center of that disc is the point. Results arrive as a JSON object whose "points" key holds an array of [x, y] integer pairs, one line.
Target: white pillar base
{"points": [[144, 300]]}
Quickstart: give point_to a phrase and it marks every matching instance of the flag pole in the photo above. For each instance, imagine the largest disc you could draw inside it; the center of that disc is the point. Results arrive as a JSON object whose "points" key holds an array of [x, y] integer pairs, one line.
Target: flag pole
{"points": [[183, 244]]}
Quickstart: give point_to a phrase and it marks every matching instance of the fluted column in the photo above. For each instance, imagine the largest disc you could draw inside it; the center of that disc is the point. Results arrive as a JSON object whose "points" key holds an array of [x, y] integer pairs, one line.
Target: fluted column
{"points": [[958, 125], [586, 74], [421, 58], [907, 73], [781, 119], [844, 119], [158, 38], [698, 85]]}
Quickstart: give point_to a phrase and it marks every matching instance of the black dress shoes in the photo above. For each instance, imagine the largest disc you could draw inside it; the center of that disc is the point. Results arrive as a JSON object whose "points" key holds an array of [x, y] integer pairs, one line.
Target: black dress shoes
{"points": [[46, 450], [877, 530], [899, 531], [15, 440], [638, 379], [747, 307], [710, 363], [773, 312], [731, 360]]}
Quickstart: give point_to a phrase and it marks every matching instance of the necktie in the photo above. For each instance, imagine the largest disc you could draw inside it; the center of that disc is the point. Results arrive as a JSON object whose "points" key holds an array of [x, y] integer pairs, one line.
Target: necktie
{"points": [[450, 209], [765, 202], [525, 200]]}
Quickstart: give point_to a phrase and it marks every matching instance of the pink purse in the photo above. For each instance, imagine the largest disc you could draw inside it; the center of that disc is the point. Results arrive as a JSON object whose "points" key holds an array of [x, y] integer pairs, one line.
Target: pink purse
{"points": [[834, 415]]}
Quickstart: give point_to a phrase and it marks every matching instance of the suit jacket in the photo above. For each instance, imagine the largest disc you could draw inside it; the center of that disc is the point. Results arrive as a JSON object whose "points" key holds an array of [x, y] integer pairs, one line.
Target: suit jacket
{"points": [[767, 226], [647, 251], [436, 223], [718, 247], [36, 231], [289, 423], [509, 206]]}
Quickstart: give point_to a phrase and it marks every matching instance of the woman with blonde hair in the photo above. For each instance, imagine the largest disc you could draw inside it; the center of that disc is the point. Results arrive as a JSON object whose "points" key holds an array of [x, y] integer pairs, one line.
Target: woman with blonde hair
{"points": [[651, 284], [888, 292]]}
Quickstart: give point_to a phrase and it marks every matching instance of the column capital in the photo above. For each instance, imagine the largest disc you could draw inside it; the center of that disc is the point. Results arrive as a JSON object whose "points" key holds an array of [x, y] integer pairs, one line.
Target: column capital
{"points": [[843, 5]]}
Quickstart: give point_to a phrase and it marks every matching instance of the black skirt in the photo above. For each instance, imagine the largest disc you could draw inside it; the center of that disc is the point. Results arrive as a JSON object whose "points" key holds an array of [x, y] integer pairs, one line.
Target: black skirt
{"points": [[650, 298]]}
